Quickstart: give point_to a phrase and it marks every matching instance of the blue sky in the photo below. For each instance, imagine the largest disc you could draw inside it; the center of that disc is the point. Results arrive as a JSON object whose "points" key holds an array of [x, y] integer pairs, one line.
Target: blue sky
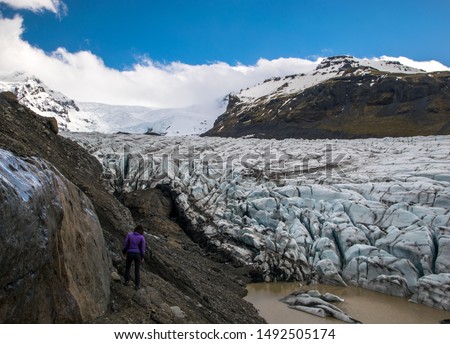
{"points": [[204, 31], [179, 53]]}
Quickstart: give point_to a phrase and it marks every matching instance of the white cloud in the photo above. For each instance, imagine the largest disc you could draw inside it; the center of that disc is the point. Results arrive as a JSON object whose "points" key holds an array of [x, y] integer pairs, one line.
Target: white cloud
{"points": [[56, 6], [83, 76]]}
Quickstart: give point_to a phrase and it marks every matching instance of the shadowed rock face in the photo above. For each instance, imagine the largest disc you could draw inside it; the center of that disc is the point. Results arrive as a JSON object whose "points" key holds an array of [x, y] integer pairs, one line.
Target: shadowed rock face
{"points": [[27, 134], [375, 104], [55, 267]]}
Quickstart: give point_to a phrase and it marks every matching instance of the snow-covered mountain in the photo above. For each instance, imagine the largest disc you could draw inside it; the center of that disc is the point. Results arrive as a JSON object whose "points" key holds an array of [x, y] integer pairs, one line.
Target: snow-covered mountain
{"points": [[328, 68], [257, 110], [34, 94], [343, 97], [86, 117]]}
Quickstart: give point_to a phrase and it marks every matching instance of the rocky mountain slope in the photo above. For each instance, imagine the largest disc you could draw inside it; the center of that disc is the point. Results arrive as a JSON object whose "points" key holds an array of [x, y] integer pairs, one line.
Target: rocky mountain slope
{"points": [[38, 97], [62, 232], [344, 97], [368, 212]]}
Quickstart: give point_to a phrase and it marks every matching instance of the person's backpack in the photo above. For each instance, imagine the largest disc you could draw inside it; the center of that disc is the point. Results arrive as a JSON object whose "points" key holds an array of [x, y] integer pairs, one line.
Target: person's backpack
{"points": [[125, 247]]}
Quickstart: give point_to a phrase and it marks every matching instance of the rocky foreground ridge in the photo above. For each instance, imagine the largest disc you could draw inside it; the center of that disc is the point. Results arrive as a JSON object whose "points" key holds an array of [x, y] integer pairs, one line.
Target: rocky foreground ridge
{"points": [[373, 213], [61, 233], [344, 97]]}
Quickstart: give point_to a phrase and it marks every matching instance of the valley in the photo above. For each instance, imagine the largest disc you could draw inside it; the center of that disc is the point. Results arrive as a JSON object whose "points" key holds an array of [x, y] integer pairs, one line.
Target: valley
{"points": [[339, 175]]}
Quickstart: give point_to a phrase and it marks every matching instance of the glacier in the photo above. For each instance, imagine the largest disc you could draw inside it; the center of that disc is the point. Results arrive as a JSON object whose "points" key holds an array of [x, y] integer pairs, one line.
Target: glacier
{"points": [[369, 212], [106, 118]]}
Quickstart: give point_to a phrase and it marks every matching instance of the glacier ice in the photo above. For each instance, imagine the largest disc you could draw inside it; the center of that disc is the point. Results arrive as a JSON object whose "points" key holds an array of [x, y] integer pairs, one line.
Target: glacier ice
{"points": [[372, 212]]}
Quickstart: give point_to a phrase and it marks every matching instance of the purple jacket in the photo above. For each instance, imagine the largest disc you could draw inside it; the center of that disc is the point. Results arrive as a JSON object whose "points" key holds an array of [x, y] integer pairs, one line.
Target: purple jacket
{"points": [[134, 243]]}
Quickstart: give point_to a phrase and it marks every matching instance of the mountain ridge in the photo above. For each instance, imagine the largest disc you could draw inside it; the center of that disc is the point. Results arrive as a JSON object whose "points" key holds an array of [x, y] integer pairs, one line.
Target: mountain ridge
{"points": [[78, 116], [342, 98], [38, 97], [328, 68], [269, 109]]}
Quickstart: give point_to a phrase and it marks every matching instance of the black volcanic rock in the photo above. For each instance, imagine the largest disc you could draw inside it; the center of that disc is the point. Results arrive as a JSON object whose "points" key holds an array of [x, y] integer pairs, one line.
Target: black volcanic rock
{"points": [[360, 102]]}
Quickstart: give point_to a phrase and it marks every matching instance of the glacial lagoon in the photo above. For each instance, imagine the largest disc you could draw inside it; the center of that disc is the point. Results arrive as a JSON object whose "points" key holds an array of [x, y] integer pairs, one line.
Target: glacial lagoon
{"points": [[367, 306]]}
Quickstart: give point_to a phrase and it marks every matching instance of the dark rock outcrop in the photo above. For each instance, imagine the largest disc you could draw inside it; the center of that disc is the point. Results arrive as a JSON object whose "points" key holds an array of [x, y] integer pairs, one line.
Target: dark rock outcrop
{"points": [[55, 267], [26, 134]]}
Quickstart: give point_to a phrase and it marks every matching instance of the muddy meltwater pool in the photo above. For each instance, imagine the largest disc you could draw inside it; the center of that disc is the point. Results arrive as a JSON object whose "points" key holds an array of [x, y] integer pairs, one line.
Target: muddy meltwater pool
{"points": [[364, 305]]}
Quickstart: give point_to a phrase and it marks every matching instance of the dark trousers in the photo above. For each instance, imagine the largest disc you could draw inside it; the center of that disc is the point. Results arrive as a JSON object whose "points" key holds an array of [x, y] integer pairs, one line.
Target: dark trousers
{"points": [[136, 258]]}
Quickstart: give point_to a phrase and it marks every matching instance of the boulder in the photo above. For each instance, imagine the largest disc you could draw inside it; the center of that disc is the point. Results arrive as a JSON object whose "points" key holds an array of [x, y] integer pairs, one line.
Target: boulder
{"points": [[55, 267], [53, 124], [177, 312]]}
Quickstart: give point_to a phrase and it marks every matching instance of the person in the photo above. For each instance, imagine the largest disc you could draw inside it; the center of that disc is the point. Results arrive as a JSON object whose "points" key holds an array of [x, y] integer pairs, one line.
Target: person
{"points": [[134, 249]]}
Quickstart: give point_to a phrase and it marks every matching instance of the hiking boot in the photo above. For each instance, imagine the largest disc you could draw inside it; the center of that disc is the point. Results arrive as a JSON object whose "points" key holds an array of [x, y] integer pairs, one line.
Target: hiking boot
{"points": [[137, 287]]}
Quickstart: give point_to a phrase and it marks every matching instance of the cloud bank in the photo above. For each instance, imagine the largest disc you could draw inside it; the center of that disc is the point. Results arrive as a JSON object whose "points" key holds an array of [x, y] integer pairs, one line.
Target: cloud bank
{"points": [[83, 76], [428, 66], [56, 6]]}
